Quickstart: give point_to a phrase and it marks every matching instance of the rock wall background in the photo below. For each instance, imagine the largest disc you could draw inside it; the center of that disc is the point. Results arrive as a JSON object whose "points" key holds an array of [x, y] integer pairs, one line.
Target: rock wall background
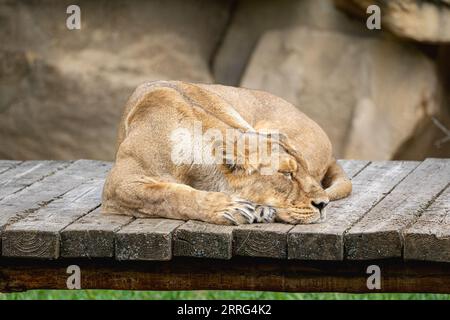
{"points": [[374, 92]]}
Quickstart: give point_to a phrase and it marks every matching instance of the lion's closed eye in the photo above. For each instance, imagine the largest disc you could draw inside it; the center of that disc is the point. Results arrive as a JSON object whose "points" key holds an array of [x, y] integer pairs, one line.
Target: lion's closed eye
{"points": [[287, 174]]}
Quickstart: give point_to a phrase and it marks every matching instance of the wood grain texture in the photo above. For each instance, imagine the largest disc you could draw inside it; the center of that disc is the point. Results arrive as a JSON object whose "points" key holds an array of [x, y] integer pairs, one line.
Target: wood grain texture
{"points": [[267, 240], [379, 233], [6, 165], [50, 205], [92, 236], [239, 273], [37, 235], [25, 174], [353, 167], [146, 239], [429, 237], [325, 241], [204, 240]]}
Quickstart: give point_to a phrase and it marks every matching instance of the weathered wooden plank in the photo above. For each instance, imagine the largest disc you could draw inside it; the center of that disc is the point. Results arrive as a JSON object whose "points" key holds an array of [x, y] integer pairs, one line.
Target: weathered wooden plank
{"points": [[92, 236], [37, 234], [429, 237], [205, 240], [43, 192], [27, 173], [261, 240], [353, 167], [325, 241], [146, 239], [6, 165], [379, 233]]}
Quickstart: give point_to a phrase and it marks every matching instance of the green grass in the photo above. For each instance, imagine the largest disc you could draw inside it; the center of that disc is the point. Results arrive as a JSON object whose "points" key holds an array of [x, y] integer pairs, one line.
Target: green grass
{"points": [[185, 295]]}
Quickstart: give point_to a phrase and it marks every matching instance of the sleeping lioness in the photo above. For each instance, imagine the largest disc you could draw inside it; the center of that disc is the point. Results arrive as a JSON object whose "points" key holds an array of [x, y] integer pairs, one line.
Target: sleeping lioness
{"points": [[147, 181]]}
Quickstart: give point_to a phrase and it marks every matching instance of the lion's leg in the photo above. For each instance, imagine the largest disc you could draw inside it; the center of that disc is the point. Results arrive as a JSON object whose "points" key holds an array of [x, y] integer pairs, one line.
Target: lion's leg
{"points": [[336, 183], [145, 196]]}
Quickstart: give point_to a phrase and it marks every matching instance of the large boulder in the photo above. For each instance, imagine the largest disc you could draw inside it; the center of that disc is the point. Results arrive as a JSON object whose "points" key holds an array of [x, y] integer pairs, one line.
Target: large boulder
{"points": [[62, 91], [252, 18], [421, 20], [369, 95]]}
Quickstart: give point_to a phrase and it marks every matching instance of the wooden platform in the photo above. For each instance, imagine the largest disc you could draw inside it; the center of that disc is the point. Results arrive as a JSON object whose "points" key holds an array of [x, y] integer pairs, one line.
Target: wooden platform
{"points": [[399, 212], [49, 210]]}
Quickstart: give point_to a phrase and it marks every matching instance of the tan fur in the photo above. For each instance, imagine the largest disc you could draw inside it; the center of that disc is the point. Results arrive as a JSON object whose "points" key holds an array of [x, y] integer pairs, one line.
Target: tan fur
{"points": [[145, 182]]}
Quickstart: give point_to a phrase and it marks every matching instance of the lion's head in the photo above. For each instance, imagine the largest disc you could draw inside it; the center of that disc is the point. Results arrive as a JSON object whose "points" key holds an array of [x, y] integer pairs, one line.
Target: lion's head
{"points": [[287, 186]]}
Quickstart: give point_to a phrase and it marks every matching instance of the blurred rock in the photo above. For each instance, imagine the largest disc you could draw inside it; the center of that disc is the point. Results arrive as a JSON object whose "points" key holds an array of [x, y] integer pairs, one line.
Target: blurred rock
{"points": [[369, 95], [433, 136], [252, 18], [62, 91], [444, 72], [421, 20]]}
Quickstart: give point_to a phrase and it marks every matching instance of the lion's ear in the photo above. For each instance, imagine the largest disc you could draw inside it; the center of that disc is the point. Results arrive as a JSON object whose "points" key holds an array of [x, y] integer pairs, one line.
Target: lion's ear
{"points": [[290, 149], [287, 164]]}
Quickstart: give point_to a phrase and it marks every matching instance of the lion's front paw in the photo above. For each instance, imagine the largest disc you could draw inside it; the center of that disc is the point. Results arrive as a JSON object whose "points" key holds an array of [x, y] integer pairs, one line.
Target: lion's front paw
{"points": [[221, 208], [265, 213], [239, 211]]}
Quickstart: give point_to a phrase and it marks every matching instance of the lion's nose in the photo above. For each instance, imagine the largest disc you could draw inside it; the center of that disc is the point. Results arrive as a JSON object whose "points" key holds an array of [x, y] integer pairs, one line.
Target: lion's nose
{"points": [[319, 204]]}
